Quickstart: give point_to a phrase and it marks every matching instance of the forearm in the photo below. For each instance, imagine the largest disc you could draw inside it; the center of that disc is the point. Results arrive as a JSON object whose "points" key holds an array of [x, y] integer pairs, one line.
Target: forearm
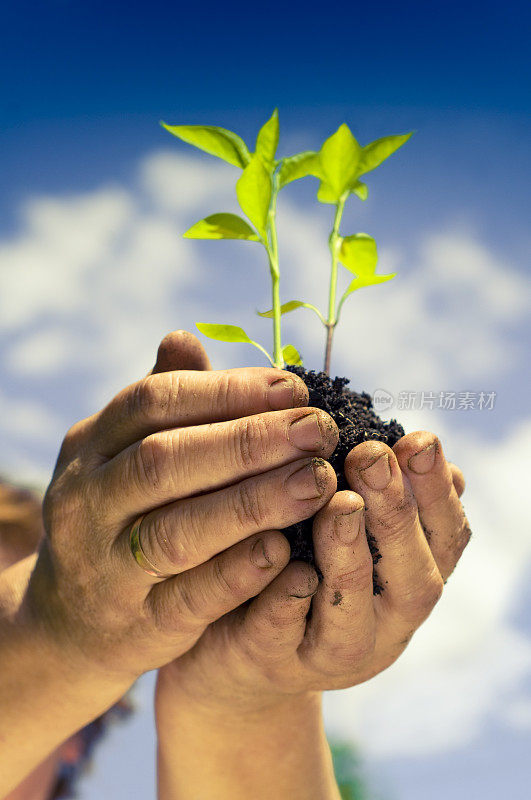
{"points": [[46, 694], [278, 752]]}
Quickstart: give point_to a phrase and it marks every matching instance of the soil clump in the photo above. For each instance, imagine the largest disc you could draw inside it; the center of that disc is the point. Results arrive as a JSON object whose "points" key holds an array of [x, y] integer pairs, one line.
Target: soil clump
{"points": [[357, 421]]}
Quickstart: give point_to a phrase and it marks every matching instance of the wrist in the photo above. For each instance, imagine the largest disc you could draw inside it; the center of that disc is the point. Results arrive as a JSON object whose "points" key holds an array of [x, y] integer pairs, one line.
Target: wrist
{"points": [[232, 699], [47, 693], [213, 708], [276, 748]]}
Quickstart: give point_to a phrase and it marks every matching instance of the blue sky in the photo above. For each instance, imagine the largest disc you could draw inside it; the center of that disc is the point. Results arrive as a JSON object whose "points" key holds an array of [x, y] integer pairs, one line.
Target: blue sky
{"points": [[93, 272], [82, 84]]}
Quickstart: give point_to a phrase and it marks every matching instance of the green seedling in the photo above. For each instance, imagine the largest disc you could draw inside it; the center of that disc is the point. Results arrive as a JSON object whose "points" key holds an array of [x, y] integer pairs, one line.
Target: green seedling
{"points": [[338, 165]]}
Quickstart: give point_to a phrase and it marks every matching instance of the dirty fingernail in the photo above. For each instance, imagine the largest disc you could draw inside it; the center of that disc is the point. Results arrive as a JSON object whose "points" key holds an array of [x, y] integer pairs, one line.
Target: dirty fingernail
{"points": [[259, 555], [307, 483], [306, 588], [281, 394], [303, 596], [424, 460], [378, 474], [348, 526], [305, 433]]}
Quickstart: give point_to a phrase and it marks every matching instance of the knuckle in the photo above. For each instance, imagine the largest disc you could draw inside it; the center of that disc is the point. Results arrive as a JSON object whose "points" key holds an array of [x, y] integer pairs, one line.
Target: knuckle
{"points": [[225, 389], [359, 650], [53, 500], [150, 397], [227, 585], [169, 613], [431, 592], [359, 577], [72, 442], [75, 433], [418, 604], [462, 537], [253, 648], [248, 507], [67, 498], [394, 519], [251, 442], [283, 618], [441, 493], [160, 545], [151, 461], [346, 656], [188, 605]]}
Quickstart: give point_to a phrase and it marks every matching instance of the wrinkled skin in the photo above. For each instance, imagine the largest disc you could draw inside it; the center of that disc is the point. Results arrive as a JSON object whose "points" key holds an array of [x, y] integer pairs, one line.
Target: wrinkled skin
{"points": [[268, 649], [212, 459], [219, 464]]}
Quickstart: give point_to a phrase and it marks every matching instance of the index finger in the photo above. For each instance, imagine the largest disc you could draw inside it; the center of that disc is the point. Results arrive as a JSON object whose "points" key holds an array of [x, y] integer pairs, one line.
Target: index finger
{"points": [[188, 397]]}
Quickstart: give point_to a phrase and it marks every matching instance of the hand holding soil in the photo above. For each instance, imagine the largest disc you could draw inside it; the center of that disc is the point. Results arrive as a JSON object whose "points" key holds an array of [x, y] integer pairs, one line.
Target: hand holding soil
{"points": [[268, 649], [210, 464], [216, 463]]}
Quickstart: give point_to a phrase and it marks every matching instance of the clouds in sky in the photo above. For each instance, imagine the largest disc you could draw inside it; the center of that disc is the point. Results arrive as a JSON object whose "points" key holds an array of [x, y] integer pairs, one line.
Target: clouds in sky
{"points": [[91, 282]]}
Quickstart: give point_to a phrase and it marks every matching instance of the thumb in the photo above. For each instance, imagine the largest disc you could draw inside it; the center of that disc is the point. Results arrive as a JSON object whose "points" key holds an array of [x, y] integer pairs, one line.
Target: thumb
{"points": [[180, 350]]}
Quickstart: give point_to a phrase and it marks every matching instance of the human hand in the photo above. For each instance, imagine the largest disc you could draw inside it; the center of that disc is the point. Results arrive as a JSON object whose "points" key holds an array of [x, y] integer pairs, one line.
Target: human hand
{"points": [[216, 461], [267, 652]]}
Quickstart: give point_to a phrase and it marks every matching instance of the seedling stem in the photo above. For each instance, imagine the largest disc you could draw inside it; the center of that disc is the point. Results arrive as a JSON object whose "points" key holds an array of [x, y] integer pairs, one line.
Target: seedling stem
{"points": [[272, 251], [333, 242]]}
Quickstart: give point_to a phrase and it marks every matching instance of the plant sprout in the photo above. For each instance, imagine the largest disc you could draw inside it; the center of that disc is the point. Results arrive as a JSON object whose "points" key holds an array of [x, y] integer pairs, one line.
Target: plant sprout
{"points": [[338, 165]]}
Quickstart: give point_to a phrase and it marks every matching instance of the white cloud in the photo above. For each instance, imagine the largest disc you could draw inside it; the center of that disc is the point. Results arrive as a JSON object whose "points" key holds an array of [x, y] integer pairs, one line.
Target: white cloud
{"points": [[91, 283], [188, 185], [517, 713], [39, 353], [46, 268], [30, 419], [28, 427]]}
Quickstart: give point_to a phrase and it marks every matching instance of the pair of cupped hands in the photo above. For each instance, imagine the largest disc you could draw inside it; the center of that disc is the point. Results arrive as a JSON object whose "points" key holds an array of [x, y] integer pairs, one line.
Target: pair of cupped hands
{"points": [[219, 462]]}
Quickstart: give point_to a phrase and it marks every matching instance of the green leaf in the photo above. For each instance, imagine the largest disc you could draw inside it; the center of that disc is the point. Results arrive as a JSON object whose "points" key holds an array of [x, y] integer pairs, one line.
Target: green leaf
{"points": [[369, 280], [221, 226], [325, 194], [267, 141], [298, 166], [358, 254], [216, 141], [229, 333], [374, 153], [290, 354], [285, 308], [253, 190], [360, 189], [224, 333], [338, 159], [363, 281]]}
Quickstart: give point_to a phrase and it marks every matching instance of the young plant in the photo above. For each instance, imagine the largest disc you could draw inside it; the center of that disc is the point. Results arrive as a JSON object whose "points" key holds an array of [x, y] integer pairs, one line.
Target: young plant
{"points": [[338, 165]]}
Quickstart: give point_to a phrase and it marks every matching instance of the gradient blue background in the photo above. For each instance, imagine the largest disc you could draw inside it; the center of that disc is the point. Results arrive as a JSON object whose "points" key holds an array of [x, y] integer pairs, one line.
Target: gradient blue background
{"points": [[83, 85]]}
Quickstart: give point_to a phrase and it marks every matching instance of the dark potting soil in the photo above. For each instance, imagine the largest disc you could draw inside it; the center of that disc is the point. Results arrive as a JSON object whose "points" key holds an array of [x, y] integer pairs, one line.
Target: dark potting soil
{"points": [[357, 422]]}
